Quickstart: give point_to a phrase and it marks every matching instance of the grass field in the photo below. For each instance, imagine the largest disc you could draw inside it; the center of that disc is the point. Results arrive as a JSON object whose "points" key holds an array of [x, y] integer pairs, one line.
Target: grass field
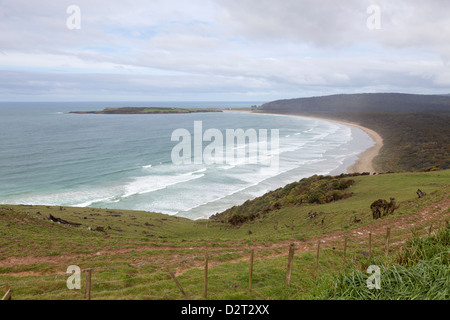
{"points": [[132, 252]]}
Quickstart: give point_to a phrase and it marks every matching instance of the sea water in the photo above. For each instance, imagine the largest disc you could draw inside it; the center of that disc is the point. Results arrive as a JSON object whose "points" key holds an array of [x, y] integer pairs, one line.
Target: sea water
{"points": [[49, 156]]}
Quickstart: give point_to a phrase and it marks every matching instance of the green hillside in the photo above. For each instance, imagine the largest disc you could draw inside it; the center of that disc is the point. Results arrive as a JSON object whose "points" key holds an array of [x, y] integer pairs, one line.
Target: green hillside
{"points": [[132, 252]]}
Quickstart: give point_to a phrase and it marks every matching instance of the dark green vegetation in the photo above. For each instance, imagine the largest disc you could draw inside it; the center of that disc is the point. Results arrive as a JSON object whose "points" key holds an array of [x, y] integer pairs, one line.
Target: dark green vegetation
{"points": [[364, 102], [415, 128], [313, 190], [421, 270], [152, 110], [131, 252]]}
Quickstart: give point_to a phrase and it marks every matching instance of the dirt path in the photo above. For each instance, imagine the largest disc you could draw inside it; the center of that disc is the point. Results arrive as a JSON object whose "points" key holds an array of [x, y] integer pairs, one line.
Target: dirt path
{"points": [[186, 258], [401, 223]]}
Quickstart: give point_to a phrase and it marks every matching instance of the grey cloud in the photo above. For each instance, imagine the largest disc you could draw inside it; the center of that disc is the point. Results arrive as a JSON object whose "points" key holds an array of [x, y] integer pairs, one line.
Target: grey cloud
{"points": [[322, 23], [326, 23], [241, 47]]}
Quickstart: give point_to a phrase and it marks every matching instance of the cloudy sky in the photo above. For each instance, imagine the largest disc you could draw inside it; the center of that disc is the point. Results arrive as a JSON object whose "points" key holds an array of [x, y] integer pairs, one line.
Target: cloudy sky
{"points": [[255, 50]]}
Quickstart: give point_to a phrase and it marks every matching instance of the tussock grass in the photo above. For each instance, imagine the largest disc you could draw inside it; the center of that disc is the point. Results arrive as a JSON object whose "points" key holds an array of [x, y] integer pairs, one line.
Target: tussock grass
{"points": [[421, 272]]}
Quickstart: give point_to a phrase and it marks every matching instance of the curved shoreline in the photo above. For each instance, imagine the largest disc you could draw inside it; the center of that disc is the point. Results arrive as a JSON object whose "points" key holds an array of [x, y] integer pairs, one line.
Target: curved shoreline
{"points": [[364, 163]]}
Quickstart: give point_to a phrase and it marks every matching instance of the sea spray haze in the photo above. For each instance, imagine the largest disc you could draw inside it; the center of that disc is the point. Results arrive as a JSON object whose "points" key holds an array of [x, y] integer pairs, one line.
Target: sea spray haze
{"points": [[51, 157]]}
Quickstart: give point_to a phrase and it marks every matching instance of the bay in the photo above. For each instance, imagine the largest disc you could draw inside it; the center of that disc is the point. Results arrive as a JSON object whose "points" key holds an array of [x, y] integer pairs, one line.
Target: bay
{"points": [[51, 157]]}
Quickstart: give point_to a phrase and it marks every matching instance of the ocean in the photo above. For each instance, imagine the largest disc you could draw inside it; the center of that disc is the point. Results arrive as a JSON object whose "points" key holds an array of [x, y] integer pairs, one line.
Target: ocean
{"points": [[51, 157]]}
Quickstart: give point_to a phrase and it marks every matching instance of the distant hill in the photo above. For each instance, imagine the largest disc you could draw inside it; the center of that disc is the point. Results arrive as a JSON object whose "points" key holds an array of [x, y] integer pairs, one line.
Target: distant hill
{"points": [[364, 102], [415, 128]]}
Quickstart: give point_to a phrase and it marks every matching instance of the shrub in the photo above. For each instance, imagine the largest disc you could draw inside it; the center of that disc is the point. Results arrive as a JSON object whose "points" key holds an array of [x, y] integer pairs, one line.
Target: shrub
{"points": [[313, 190]]}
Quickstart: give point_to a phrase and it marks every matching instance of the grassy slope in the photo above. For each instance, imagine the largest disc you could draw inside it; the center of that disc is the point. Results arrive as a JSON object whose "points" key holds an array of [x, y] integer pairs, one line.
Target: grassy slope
{"points": [[140, 245]]}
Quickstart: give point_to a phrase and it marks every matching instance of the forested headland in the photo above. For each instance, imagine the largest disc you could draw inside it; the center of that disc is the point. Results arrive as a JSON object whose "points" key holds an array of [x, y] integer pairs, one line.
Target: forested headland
{"points": [[415, 128]]}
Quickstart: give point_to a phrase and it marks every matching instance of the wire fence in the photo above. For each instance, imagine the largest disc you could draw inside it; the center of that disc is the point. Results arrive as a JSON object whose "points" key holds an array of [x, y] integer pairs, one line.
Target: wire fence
{"points": [[253, 273]]}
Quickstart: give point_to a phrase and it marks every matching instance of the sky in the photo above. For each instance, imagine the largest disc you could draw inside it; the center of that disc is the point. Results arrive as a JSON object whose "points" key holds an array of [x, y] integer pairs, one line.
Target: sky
{"points": [[221, 50]]}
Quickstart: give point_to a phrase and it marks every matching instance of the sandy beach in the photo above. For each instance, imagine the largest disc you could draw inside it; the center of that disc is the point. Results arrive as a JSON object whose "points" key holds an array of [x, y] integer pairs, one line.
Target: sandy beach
{"points": [[365, 159]]}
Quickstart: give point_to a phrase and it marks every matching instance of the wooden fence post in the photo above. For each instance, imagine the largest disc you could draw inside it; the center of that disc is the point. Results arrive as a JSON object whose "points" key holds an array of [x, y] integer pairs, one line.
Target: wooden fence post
{"points": [[345, 252], [177, 283], [7, 295], [8, 292], [316, 271], [250, 276], [87, 291], [388, 236], [290, 263], [205, 279]]}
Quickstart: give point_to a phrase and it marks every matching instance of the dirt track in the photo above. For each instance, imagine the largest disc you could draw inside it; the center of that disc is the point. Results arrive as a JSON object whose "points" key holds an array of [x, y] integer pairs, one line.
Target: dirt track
{"points": [[378, 228]]}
